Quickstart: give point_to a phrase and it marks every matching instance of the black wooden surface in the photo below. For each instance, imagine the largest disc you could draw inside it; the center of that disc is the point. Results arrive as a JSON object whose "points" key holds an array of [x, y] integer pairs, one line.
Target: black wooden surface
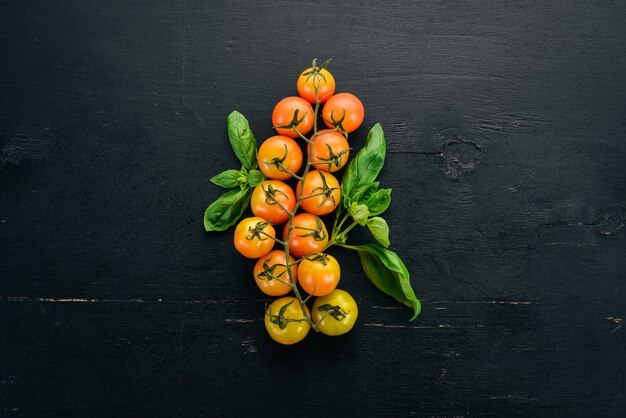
{"points": [[506, 130]]}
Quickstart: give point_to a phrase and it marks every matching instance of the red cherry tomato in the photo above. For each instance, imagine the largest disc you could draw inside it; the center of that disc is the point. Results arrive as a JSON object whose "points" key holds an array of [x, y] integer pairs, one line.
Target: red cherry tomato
{"points": [[343, 110], [321, 192], [309, 235], [270, 199], [330, 151], [293, 113]]}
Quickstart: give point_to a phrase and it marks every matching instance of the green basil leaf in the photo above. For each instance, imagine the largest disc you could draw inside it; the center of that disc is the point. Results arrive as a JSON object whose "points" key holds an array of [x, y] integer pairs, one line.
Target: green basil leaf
{"points": [[388, 273], [378, 202], [380, 230], [255, 177], [227, 209], [362, 194], [241, 139], [365, 166], [228, 179], [359, 213]]}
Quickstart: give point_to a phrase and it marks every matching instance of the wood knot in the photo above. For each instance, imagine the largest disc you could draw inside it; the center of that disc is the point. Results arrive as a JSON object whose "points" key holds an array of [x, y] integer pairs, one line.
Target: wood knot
{"points": [[461, 153], [610, 224]]}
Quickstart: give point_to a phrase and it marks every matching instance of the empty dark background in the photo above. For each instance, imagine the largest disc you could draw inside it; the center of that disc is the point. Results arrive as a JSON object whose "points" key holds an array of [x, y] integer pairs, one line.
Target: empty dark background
{"points": [[506, 130]]}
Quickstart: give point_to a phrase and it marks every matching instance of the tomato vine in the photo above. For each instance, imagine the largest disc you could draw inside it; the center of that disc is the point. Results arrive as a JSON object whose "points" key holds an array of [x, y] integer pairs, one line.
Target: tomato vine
{"points": [[357, 200]]}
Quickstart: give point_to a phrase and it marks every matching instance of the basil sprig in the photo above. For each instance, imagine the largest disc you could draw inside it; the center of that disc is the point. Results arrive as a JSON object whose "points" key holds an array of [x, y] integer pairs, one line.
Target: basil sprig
{"points": [[364, 201], [229, 207]]}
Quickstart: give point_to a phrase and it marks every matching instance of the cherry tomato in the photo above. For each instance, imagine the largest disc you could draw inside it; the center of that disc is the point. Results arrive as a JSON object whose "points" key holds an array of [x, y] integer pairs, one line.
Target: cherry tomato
{"points": [[330, 151], [321, 192], [335, 313], [282, 331], [250, 239], [312, 77], [319, 274], [277, 152], [270, 273], [309, 235], [268, 200], [293, 112], [344, 110]]}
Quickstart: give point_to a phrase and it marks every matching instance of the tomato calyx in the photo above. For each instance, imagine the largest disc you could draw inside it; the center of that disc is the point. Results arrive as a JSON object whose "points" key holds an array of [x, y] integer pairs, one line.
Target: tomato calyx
{"points": [[337, 124], [333, 159], [270, 195], [294, 121], [268, 272], [317, 233], [335, 311], [325, 191], [257, 230], [280, 319], [315, 72], [319, 257]]}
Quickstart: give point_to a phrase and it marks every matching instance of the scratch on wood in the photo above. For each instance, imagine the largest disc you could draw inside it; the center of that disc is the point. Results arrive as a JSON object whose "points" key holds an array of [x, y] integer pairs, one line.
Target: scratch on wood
{"points": [[608, 224], [617, 321], [498, 302], [250, 348], [121, 300], [442, 375], [242, 321], [377, 325]]}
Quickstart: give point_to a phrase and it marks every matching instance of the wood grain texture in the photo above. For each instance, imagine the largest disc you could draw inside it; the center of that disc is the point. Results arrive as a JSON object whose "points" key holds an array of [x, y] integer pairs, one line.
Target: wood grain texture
{"points": [[506, 130]]}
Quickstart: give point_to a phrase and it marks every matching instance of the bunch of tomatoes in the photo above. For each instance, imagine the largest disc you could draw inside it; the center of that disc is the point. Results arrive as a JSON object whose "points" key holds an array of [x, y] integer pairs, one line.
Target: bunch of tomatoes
{"points": [[300, 264]]}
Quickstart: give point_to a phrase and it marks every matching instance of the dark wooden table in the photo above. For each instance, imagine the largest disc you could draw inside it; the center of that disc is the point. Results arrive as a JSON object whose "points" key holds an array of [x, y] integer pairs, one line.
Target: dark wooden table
{"points": [[506, 130]]}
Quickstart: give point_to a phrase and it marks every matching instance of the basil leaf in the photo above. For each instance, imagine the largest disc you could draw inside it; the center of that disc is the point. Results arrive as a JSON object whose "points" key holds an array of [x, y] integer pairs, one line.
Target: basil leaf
{"points": [[362, 194], [359, 213], [228, 179], [378, 202], [364, 168], [227, 209], [388, 273], [380, 230], [255, 177], [241, 139]]}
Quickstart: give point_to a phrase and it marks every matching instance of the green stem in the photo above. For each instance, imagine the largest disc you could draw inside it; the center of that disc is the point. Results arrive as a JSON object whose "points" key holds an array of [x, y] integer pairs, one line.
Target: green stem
{"points": [[292, 213]]}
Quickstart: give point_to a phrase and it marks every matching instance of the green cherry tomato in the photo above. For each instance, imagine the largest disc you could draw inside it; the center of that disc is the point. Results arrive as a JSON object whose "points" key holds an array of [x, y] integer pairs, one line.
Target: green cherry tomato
{"points": [[335, 313]]}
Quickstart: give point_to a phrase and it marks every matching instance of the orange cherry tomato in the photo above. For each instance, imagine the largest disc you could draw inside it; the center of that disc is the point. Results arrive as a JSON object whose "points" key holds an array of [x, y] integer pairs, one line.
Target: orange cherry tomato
{"points": [[268, 200], [277, 152], [250, 239], [312, 77], [319, 274], [270, 273], [344, 110], [321, 193], [285, 118], [309, 235], [330, 151]]}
